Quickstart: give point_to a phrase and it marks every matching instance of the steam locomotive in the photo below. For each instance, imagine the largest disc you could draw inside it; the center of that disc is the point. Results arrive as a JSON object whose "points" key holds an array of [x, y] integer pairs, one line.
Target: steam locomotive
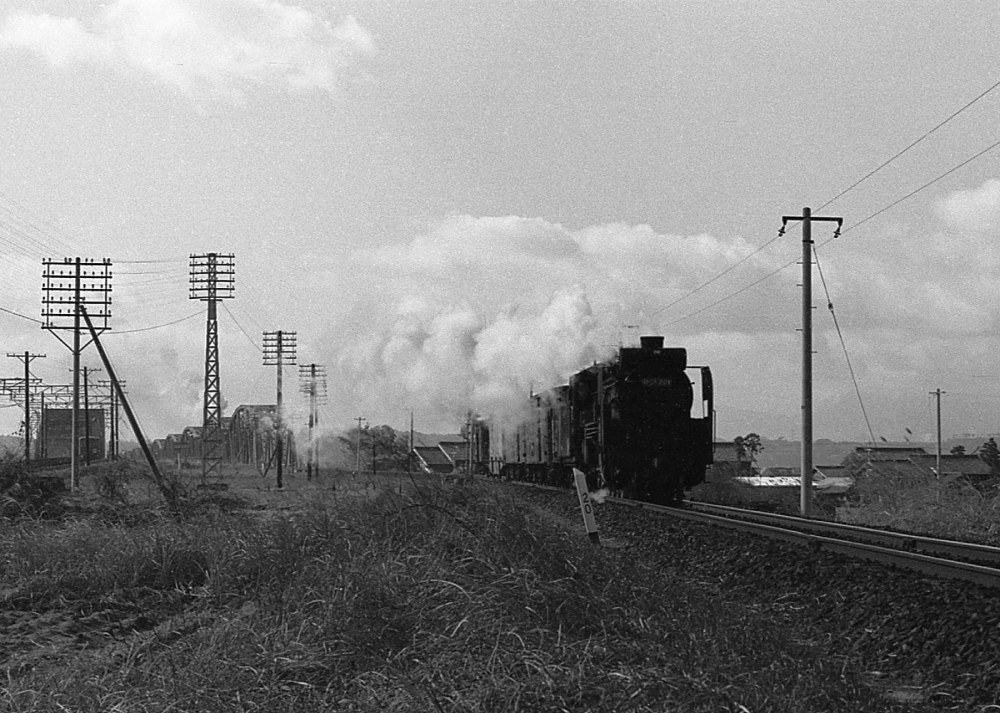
{"points": [[626, 423]]}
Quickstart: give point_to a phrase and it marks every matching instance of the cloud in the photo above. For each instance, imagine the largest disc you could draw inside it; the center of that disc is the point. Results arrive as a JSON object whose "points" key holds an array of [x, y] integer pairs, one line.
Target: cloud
{"points": [[219, 46], [476, 312], [974, 210]]}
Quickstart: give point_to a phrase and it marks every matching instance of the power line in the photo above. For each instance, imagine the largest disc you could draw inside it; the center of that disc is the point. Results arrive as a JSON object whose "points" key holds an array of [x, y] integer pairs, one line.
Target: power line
{"points": [[886, 163], [851, 187], [916, 191], [22, 316], [245, 333], [877, 213], [158, 326], [150, 262], [843, 345], [721, 274]]}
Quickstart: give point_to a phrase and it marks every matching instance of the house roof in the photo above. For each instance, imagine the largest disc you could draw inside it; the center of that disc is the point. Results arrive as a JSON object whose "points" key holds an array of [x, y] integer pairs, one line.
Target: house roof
{"points": [[887, 453], [831, 471], [725, 452], [916, 462], [780, 472], [432, 455], [783, 481], [456, 450], [956, 464]]}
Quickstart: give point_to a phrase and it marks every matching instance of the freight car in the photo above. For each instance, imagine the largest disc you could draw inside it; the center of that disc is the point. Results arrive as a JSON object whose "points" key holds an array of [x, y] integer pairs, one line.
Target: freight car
{"points": [[627, 423]]}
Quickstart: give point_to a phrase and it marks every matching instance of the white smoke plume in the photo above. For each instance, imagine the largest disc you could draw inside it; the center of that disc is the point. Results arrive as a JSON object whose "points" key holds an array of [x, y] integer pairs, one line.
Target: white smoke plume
{"points": [[477, 313]]}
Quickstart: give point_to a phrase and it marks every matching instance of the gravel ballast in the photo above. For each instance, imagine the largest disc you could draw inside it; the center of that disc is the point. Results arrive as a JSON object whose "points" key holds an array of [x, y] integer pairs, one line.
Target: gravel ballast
{"points": [[929, 644]]}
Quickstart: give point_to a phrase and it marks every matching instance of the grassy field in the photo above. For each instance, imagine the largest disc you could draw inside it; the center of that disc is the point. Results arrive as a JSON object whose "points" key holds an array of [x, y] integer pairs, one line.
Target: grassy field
{"points": [[361, 594]]}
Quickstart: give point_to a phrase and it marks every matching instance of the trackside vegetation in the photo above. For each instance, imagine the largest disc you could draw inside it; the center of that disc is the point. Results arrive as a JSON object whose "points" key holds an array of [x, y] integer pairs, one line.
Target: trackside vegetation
{"points": [[422, 597]]}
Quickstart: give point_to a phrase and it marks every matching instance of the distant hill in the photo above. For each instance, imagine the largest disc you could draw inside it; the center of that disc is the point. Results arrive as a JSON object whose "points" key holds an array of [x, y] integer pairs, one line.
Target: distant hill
{"points": [[782, 453]]}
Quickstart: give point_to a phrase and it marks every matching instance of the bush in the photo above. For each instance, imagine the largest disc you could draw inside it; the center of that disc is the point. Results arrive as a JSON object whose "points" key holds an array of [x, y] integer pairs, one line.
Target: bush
{"points": [[24, 494], [921, 503]]}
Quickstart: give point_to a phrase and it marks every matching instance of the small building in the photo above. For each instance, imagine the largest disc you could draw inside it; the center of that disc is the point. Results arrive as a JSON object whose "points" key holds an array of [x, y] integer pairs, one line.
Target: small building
{"points": [[432, 459], [832, 479], [458, 452], [56, 438], [727, 465]]}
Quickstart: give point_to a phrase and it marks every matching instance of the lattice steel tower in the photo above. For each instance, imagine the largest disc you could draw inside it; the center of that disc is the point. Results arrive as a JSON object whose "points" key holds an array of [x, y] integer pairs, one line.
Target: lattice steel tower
{"points": [[213, 278]]}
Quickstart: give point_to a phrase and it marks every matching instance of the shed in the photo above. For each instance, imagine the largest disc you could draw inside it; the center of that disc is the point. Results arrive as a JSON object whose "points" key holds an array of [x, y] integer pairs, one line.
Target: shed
{"points": [[432, 459]]}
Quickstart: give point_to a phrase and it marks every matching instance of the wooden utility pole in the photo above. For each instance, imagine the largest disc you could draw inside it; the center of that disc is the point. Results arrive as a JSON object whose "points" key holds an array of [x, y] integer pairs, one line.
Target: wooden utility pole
{"points": [[27, 358], [89, 282], [806, 463], [279, 350], [937, 394], [169, 490], [86, 412], [312, 382], [359, 419]]}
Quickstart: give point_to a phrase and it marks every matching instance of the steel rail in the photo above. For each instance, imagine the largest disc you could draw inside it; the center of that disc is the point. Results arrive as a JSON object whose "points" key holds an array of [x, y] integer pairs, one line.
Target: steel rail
{"points": [[925, 564], [900, 540]]}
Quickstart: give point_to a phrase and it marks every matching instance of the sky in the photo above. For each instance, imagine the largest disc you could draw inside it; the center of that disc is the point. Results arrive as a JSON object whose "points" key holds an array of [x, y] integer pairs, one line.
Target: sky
{"points": [[455, 203]]}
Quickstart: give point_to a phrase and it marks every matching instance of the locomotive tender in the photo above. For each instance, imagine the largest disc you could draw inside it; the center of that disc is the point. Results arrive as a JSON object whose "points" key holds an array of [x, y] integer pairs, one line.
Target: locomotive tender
{"points": [[627, 423]]}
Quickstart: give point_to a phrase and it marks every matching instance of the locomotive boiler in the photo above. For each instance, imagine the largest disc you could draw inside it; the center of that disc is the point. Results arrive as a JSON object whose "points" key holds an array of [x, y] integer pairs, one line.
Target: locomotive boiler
{"points": [[632, 424]]}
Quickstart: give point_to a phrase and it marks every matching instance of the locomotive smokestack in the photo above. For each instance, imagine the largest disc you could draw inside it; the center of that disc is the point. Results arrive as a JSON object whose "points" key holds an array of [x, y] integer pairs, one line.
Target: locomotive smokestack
{"points": [[651, 342]]}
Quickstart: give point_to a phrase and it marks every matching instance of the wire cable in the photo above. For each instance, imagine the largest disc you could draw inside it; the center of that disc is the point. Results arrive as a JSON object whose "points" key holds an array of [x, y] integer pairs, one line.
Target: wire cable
{"points": [[886, 163], [721, 274], [245, 333], [158, 326], [918, 190], [843, 345], [851, 187], [22, 316], [877, 213]]}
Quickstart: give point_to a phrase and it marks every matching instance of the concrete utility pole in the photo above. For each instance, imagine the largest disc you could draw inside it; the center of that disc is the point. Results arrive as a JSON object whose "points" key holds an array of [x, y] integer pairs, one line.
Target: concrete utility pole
{"points": [[27, 358], [279, 349], [807, 218], [213, 278], [89, 282], [937, 393]]}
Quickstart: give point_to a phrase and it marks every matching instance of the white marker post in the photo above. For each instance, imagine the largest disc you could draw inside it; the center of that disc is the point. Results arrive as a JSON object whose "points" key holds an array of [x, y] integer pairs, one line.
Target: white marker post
{"points": [[587, 505]]}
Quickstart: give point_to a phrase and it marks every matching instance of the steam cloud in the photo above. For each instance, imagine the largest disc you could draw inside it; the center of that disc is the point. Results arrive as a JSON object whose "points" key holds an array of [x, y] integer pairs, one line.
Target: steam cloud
{"points": [[478, 312]]}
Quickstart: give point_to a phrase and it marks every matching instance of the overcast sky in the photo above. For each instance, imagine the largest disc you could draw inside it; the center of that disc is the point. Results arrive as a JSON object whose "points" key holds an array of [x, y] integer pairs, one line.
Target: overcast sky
{"points": [[454, 203]]}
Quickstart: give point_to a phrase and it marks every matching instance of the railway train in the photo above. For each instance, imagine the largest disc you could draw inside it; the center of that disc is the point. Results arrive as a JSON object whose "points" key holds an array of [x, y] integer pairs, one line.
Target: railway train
{"points": [[632, 424]]}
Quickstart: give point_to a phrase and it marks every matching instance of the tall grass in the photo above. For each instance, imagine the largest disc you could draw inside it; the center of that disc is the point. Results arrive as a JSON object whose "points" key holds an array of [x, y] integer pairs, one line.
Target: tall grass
{"points": [[921, 503], [440, 599]]}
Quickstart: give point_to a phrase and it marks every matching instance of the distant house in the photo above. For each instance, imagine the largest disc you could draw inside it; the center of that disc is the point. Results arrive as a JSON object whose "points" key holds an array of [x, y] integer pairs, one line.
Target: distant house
{"points": [[458, 452], [832, 479], [827, 479], [726, 465], [432, 459], [912, 462]]}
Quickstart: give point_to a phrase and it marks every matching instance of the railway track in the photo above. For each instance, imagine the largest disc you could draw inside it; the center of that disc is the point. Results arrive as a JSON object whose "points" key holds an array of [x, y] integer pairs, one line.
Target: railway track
{"points": [[940, 558]]}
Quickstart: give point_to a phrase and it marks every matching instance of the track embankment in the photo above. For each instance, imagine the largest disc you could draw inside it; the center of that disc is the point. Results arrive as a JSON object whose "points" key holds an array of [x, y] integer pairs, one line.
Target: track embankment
{"points": [[925, 641]]}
